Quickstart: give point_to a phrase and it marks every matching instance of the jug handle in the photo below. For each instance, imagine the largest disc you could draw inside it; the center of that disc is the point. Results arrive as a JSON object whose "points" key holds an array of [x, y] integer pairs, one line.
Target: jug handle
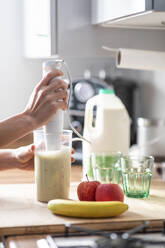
{"points": [[77, 139], [89, 112]]}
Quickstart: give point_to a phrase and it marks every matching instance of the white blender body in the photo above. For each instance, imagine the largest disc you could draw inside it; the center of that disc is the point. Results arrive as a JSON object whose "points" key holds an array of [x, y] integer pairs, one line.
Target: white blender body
{"points": [[55, 126]]}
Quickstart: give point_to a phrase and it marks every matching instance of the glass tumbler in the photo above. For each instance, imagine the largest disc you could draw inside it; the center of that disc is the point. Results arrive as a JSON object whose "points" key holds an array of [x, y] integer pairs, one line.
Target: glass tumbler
{"points": [[106, 167], [52, 167], [136, 175]]}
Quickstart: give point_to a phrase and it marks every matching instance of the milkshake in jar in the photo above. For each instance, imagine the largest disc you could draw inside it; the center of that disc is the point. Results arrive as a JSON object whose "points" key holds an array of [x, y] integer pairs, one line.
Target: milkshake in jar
{"points": [[52, 167]]}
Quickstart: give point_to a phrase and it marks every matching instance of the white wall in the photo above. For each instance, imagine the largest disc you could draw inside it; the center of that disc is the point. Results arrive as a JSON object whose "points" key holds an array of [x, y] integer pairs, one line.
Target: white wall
{"points": [[152, 91], [19, 75]]}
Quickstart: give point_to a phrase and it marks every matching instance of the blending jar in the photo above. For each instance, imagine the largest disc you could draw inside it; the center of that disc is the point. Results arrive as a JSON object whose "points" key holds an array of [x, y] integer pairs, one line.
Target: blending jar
{"points": [[52, 167]]}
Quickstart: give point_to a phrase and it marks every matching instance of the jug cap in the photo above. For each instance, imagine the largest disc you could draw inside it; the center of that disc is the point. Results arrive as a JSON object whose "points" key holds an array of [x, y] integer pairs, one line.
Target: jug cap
{"points": [[106, 91]]}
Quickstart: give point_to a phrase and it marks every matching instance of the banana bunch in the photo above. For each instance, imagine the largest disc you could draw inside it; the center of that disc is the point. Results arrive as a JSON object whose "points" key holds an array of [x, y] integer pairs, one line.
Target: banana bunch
{"points": [[87, 209]]}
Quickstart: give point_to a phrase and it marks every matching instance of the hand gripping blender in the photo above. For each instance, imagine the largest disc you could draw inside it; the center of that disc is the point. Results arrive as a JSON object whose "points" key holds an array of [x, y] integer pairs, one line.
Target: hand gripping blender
{"points": [[55, 126]]}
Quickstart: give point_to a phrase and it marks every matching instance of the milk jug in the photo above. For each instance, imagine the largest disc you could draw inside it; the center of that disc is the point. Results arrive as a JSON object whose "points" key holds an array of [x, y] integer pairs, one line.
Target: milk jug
{"points": [[109, 131]]}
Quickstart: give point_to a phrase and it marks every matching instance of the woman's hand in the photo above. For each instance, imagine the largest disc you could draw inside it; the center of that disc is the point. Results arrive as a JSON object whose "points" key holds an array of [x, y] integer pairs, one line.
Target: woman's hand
{"points": [[47, 97], [25, 157]]}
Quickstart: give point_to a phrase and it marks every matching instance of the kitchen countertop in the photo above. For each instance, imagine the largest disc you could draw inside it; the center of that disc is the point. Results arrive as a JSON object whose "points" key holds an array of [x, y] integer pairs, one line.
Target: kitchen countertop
{"points": [[20, 213], [27, 176]]}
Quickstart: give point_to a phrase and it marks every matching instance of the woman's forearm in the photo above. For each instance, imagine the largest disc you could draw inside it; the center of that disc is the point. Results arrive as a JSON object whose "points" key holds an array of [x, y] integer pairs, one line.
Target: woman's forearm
{"points": [[15, 127], [43, 104]]}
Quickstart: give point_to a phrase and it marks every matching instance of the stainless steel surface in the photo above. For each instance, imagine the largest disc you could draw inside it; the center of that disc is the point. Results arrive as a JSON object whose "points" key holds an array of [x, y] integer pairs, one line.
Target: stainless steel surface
{"points": [[42, 243], [163, 172], [84, 241], [141, 236], [51, 242], [137, 237], [83, 91], [150, 122], [151, 137]]}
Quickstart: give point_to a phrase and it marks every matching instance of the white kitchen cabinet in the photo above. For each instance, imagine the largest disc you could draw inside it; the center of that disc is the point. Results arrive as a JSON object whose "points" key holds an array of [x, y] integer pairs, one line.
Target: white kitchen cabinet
{"points": [[39, 28], [109, 9], [148, 14]]}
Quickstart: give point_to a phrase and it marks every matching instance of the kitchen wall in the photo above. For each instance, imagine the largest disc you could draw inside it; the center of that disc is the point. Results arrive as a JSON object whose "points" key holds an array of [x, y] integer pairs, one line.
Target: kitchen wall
{"points": [[80, 44], [17, 74]]}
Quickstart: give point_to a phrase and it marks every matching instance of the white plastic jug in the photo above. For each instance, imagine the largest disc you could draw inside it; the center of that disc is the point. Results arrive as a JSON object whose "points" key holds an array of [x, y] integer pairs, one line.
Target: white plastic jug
{"points": [[111, 132]]}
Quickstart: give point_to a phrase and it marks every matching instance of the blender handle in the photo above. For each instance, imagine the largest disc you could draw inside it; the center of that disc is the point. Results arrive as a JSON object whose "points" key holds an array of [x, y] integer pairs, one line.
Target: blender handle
{"points": [[66, 69]]}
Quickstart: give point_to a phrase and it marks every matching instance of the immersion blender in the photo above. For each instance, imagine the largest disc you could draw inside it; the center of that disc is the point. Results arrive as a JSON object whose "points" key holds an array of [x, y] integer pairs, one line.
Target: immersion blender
{"points": [[55, 126]]}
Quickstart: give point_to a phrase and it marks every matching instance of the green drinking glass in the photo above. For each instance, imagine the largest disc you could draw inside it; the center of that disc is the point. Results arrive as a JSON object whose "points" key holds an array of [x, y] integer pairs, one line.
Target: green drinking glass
{"points": [[106, 167], [136, 175]]}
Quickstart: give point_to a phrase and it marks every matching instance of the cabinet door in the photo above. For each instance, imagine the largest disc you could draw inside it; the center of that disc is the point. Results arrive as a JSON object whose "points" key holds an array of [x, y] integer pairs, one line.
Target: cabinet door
{"points": [[39, 28], [107, 10]]}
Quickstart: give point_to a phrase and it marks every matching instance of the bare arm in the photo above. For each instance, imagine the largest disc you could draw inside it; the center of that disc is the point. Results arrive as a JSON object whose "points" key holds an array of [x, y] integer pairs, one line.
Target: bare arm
{"points": [[43, 104], [14, 128], [21, 158]]}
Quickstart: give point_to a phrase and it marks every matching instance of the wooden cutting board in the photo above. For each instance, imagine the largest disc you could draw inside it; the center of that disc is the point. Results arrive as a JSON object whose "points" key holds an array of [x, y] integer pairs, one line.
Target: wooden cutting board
{"points": [[20, 213]]}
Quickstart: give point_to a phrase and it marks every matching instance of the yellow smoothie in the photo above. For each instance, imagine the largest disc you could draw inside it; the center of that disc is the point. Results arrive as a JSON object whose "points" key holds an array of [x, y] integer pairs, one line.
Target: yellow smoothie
{"points": [[52, 174]]}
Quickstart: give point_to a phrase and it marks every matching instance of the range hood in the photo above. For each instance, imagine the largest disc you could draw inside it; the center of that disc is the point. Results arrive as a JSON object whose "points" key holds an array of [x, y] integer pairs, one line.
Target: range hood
{"points": [[148, 14]]}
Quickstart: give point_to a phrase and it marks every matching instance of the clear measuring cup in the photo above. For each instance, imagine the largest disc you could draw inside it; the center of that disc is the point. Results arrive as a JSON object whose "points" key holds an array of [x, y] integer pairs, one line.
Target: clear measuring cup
{"points": [[52, 167]]}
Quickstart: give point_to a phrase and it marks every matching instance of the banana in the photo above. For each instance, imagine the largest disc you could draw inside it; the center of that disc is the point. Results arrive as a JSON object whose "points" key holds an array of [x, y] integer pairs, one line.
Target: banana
{"points": [[87, 209]]}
